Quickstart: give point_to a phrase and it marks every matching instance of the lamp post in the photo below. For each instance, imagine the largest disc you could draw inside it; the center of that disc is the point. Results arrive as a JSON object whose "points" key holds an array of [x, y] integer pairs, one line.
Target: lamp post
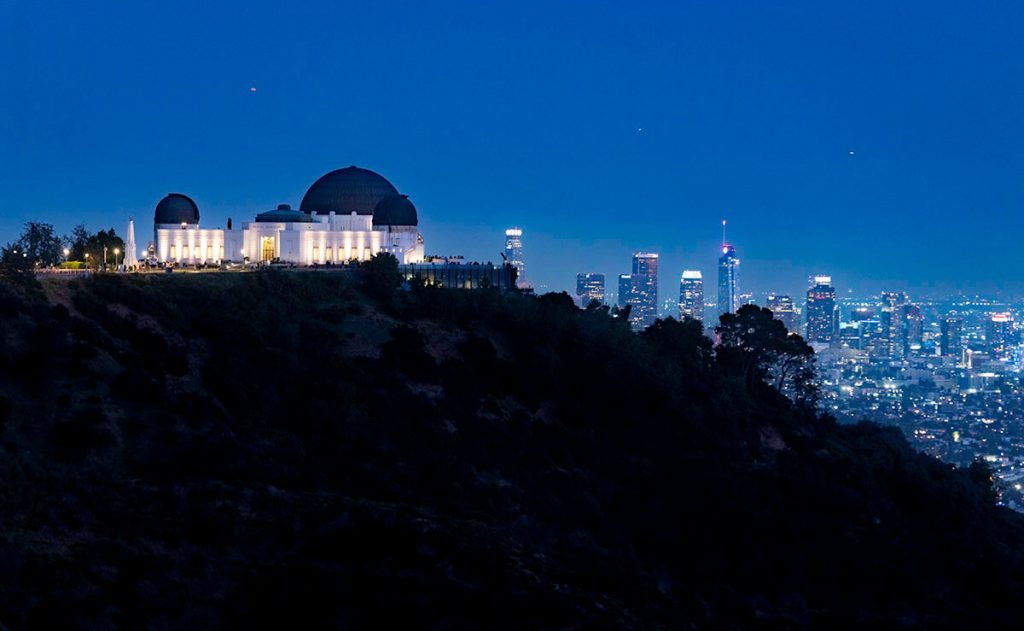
{"points": [[116, 252], [66, 253], [104, 258]]}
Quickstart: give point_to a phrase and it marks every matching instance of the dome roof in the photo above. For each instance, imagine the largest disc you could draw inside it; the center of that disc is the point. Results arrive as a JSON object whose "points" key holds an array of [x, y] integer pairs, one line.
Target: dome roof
{"points": [[284, 214], [395, 210], [346, 191], [176, 209]]}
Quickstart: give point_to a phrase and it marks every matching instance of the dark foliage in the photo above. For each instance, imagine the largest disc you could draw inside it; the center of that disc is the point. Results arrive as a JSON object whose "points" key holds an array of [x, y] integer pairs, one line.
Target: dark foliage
{"points": [[256, 450], [381, 276]]}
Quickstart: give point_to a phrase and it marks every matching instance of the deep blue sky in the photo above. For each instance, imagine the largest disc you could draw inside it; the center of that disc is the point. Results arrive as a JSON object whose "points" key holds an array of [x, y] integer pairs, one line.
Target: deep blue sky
{"points": [[530, 113]]}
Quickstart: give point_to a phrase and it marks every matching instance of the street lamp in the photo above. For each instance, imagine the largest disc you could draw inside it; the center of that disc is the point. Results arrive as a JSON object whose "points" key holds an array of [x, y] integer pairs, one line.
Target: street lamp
{"points": [[116, 252], [66, 253]]}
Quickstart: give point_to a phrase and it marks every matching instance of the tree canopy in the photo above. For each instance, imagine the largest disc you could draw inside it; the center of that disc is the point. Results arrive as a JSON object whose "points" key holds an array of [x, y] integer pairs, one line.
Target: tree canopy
{"points": [[40, 244], [757, 346]]}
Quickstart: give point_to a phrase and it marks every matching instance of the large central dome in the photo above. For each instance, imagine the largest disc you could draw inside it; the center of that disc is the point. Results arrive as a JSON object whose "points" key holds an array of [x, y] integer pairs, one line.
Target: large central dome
{"points": [[175, 209], [346, 191]]}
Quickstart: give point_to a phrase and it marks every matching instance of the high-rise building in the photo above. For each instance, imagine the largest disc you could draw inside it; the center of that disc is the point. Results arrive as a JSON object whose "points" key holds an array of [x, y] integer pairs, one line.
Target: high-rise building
{"points": [[822, 316], [951, 342], [629, 296], [873, 338], [862, 313], [728, 281], [691, 295], [589, 288], [784, 310], [639, 289], [891, 320], [850, 336], [912, 331], [998, 333], [514, 254]]}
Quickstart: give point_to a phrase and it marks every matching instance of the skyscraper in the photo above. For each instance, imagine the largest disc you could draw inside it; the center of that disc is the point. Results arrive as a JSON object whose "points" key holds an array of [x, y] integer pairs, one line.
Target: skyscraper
{"points": [[691, 295], [589, 287], [912, 332], [728, 281], [951, 342], [822, 321], [639, 289], [784, 310], [891, 321], [514, 253], [999, 333]]}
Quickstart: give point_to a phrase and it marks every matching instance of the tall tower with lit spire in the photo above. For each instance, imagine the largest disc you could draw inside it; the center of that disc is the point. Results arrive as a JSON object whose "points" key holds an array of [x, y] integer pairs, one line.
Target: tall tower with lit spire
{"points": [[514, 254], [728, 281]]}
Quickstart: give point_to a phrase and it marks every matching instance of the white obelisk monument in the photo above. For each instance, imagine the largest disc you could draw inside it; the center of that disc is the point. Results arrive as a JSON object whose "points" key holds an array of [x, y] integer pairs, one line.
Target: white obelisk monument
{"points": [[129, 248]]}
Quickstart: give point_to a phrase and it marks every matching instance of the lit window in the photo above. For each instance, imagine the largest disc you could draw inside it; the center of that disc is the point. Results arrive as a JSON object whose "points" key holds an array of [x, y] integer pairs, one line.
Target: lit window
{"points": [[209, 251], [316, 253], [174, 251], [221, 252], [327, 254], [184, 251]]}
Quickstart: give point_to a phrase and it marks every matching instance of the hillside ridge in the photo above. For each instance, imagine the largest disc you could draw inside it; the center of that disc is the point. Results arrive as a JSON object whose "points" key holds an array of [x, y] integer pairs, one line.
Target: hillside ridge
{"points": [[227, 449]]}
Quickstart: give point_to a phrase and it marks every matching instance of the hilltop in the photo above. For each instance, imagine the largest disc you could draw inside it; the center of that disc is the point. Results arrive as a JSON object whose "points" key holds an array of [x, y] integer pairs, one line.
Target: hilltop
{"points": [[262, 448]]}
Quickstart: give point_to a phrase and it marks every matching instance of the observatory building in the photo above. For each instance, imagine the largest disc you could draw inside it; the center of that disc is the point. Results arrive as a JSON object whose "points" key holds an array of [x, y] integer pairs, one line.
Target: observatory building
{"points": [[347, 215]]}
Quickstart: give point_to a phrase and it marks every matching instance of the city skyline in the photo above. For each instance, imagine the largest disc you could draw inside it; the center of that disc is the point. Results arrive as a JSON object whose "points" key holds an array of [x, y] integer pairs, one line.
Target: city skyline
{"points": [[674, 116]]}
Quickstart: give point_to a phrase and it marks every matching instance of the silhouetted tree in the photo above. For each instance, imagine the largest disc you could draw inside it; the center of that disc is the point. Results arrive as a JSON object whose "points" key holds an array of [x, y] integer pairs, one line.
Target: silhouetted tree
{"points": [[40, 243], [77, 242], [681, 341], [14, 259], [381, 275], [757, 346], [95, 243], [981, 475], [622, 313]]}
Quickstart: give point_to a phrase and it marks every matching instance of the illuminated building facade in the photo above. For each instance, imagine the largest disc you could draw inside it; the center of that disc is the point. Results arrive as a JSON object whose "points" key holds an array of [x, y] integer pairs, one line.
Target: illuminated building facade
{"points": [[891, 320], [728, 280], [589, 288], [784, 310], [912, 331], [951, 340], [347, 215], [999, 333], [454, 275], [639, 289], [691, 295], [514, 254], [822, 315]]}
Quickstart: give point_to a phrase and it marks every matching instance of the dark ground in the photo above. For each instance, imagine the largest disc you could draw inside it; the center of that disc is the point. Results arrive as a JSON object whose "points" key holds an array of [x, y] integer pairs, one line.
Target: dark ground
{"points": [[220, 450]]}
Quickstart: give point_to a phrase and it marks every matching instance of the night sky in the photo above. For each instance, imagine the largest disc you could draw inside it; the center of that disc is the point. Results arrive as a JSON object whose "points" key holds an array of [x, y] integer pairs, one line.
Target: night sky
{"points": [[879, 142]]}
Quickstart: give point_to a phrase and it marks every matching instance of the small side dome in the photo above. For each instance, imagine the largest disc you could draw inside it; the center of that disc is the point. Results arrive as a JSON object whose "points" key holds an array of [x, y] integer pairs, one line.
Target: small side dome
{"points": [[176, 209], [395, 210], [283, 214]]}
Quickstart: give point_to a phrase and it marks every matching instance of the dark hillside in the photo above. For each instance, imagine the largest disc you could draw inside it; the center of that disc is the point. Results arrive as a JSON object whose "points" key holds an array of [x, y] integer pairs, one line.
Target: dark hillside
{"points": [[264, 448]]}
